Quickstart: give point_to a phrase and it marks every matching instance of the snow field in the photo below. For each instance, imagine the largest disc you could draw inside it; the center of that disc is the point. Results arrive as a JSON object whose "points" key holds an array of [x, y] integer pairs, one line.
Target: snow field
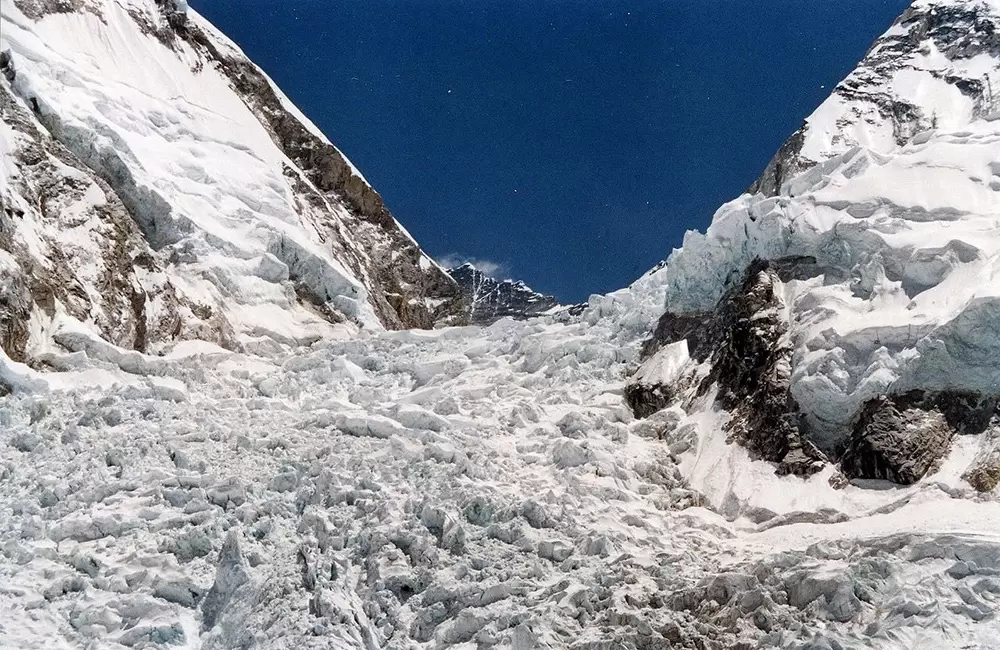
{"points": [[452, 488]]}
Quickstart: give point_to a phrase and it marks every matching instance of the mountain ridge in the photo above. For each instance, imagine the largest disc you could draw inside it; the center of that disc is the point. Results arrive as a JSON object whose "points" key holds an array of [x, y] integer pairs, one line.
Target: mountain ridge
{"points": [[297, 244], [865, 273], [864, 109], [786, 436]]}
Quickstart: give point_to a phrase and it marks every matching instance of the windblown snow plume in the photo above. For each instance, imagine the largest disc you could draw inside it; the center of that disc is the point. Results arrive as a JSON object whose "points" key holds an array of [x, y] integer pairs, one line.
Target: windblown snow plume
{"points": [[802, 452]]}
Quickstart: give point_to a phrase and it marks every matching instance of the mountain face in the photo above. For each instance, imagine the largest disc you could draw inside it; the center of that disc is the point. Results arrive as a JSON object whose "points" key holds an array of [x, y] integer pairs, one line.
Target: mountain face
{"points": [[786, 436], [935, 69], [158, 187], [491, 299], [845, 314]]}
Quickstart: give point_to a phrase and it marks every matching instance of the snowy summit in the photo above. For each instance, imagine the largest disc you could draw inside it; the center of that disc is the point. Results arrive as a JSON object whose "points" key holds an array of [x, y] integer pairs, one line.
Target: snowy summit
{"points": [[243, 409]]}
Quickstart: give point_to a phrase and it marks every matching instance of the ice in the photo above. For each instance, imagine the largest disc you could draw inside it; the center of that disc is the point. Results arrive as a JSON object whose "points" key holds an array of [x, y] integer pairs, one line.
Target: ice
{"points": [[202, 175], [319, 519], [415, 417], [20, 377], [667, 366], [907, 248]]}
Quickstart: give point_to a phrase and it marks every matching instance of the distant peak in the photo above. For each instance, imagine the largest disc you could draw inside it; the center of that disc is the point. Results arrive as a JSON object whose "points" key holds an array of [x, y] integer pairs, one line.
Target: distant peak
{"points": [[492, 299]]}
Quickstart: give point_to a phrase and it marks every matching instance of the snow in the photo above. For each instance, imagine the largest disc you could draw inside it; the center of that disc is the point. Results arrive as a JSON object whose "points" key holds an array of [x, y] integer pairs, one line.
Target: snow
{"points": [[496, 469], [340, 486], [666, 367], [908, 243], [201, 167]]}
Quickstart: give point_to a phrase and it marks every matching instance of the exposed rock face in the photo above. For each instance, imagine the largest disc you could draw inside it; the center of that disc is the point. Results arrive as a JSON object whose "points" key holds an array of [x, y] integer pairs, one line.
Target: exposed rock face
{"points": [[55, 216], [868, 109], [645, 399], [491, 299], [984, 472], [744, 343], [787, 163], [895, 437], [898, 446], [751, 366], [15, 309], [901, 438]]}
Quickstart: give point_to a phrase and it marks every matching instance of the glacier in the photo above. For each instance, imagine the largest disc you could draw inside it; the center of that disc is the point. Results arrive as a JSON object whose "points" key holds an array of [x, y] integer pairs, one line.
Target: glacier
{"points": [[784, 436]]}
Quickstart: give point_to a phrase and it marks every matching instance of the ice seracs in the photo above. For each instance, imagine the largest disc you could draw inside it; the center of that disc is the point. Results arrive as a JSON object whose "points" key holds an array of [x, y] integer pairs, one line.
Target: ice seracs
{"points": [[897, 221], [458, 486]]}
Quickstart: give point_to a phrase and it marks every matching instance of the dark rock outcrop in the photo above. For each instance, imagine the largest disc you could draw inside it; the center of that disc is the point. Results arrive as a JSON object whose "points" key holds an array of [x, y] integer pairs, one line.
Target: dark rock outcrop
{"points": [[902, 438], [703, 331], [491, 299], [895, 444], [743, 339], [7, 66], [646, 399], [15, 310], [752, 368], [36, 9], [785, 164], [984, 472], [897, 437]]}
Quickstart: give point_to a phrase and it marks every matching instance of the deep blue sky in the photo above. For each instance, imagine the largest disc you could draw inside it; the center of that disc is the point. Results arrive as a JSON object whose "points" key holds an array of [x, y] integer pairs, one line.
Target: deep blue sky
{"points": [[570, 141]]}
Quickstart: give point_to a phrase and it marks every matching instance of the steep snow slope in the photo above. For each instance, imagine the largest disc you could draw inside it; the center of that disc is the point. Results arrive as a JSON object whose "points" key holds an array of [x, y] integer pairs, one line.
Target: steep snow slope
{"points": [[254, 225], [934, 69], [491, 299]]}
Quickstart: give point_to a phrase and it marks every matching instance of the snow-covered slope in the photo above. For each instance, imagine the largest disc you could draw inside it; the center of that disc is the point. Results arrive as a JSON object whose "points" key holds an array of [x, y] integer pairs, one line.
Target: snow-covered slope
{"points": [[136, 135], [935, 69], [853, 317], [491, 299], [480, 487], [466, 487]]}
